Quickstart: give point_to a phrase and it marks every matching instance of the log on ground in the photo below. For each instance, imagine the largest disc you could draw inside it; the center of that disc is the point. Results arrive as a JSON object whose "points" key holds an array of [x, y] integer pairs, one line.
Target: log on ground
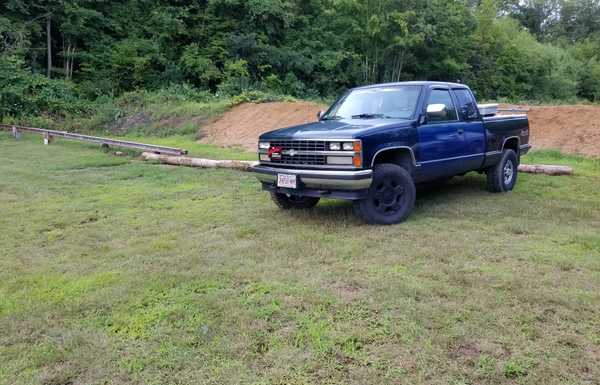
{"points": [[246, 165], [199, 162], [546, 169]]}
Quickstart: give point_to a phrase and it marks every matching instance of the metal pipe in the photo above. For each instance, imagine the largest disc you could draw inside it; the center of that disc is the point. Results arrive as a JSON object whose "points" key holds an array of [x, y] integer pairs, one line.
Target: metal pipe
{"points": [[99, 140]]}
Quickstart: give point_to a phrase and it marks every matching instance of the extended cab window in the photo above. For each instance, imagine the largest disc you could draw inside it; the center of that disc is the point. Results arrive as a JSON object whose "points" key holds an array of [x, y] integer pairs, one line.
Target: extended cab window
{"points": [[440, 107], [466, 103]]}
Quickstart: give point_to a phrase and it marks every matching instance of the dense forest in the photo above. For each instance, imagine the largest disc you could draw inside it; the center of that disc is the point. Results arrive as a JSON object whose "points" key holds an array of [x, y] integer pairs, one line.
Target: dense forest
{"points": [[54, 54]]}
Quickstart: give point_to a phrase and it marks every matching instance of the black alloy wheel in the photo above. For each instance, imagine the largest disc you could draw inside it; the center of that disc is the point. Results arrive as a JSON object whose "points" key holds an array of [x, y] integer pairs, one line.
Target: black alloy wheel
{"points": [[391, 196]]}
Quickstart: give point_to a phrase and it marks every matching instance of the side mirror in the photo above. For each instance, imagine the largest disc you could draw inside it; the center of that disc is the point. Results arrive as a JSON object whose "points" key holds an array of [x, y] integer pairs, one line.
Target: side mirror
{"points": [[469, 112], [436, 110], [320, 114]]}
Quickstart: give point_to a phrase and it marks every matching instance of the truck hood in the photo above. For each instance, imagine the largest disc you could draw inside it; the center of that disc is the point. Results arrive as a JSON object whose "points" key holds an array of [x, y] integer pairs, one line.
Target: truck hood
{"points": [[335, 129]]}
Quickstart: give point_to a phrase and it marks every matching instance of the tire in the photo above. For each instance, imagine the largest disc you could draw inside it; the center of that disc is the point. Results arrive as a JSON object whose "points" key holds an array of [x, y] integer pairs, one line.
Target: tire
{"points": [[503, 176], [391, 197], [293, 202]]}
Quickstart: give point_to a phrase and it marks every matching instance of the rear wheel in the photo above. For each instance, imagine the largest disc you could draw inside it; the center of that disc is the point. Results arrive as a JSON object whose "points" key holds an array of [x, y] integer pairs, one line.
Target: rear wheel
{"points": [[293, 202], [391, 196], [503, 176]]}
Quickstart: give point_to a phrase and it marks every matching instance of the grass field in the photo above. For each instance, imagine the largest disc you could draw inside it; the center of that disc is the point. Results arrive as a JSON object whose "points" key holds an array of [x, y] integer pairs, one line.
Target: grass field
{"points": [[117, 271]]}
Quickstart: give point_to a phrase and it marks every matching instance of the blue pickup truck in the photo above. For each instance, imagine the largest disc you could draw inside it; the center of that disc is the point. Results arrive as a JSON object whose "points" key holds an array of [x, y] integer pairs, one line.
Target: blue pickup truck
{"points": [[376, 143]]}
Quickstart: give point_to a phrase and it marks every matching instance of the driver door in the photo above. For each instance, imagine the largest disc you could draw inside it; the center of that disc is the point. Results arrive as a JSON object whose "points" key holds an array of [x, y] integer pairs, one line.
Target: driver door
{"points": [[441, 139]]}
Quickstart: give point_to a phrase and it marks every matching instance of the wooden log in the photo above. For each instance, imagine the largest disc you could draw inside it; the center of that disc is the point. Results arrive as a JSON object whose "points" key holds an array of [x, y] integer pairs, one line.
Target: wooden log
{"points": [[245, 165], [199, 162], [546, 169]]}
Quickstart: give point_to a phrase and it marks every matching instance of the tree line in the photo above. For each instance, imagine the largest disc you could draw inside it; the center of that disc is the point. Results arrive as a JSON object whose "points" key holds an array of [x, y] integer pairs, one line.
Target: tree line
{"points": [[53, 50]]}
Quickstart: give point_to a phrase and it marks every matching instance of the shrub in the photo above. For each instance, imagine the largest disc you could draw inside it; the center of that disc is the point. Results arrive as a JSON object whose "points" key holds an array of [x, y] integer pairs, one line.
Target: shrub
{"points": [[237, 78], [23, 93], [199, 69], [256, 96]]}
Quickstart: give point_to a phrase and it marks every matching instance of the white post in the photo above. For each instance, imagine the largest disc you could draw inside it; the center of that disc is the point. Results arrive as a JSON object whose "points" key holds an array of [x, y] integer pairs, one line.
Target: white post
{"points": [[16, 133], [47, 138]]}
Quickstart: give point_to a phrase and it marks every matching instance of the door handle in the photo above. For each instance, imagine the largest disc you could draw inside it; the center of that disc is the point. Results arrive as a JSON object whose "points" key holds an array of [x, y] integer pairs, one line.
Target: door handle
{"points": [[460, 131]]}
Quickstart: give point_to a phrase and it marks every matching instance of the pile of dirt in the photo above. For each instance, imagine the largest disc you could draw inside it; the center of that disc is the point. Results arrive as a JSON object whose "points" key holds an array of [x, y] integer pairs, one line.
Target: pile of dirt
{"points": [[242, 125], [570, 129]]}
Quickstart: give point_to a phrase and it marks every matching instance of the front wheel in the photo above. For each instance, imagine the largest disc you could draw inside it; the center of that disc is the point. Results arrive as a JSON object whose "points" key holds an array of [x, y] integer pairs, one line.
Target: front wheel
{"points": [[293, 202], [503, 176], [391, 196]]}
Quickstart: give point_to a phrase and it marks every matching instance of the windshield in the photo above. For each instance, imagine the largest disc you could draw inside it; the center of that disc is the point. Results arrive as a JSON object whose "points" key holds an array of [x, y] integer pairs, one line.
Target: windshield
{"points": [[394, 102]]}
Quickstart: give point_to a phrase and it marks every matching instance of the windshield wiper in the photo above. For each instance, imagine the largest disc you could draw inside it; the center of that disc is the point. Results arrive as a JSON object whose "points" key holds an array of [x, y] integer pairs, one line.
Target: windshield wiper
{"points": [[334, 117], [368, 116]]}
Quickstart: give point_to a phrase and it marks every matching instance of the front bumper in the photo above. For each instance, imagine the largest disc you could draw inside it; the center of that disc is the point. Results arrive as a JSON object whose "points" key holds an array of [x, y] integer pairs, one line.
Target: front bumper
{"points": [[317, 182]]}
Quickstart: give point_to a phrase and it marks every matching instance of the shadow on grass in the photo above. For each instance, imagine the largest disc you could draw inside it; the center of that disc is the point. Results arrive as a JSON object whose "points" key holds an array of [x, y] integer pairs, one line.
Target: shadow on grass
{"points": [[471, 185], [458, 189]]}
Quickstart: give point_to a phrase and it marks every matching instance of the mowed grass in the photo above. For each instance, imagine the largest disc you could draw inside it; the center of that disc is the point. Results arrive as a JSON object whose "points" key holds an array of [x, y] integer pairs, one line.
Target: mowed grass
{"points": [[118, 271], [195, 148]]}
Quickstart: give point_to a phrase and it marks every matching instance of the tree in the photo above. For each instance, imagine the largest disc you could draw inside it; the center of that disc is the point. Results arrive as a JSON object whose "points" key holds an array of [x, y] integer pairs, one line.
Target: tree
{"points": [[504, 48], [538, 16]]}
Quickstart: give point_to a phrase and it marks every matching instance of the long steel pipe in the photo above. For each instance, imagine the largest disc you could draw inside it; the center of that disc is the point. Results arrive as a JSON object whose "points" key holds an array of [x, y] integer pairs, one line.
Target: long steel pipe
{"points": [[98, 140]]}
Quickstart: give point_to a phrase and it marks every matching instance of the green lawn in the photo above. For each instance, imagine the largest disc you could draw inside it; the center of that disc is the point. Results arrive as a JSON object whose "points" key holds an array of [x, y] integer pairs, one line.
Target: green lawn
{"points": [[118, 271]]}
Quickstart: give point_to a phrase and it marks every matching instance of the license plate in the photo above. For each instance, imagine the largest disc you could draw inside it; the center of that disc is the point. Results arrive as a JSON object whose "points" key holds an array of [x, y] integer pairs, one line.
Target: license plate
{"points": [[286, 181]]}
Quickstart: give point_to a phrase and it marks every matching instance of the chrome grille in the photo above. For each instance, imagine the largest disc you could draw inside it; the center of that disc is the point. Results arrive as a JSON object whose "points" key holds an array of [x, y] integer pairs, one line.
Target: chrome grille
{"points": [[300, 145]]}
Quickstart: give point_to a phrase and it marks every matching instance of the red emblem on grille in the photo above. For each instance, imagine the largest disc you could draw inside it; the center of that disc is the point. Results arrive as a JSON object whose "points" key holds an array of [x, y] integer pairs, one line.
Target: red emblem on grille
{"points": [[275, 152]]}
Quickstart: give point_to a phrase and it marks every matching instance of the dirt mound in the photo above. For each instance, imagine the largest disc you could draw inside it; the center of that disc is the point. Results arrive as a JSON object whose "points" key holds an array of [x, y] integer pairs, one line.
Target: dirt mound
{"points": [[570, 129], [241, 126]]}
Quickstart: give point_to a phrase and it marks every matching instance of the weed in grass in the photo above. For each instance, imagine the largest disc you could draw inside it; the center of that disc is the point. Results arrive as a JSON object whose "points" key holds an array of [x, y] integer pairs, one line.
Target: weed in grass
{"points": [[315, 333], [486, 365], [517, 367], [28, 292]]}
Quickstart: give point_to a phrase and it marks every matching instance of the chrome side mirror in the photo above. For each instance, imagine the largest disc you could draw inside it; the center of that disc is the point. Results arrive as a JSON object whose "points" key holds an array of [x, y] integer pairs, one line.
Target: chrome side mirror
{"points": [[320, 114], [436, 110], [470, 112]]}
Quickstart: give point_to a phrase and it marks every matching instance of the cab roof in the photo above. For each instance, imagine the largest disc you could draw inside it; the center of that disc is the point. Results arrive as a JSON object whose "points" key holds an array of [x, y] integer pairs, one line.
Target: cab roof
{"points": [[414, 83]]}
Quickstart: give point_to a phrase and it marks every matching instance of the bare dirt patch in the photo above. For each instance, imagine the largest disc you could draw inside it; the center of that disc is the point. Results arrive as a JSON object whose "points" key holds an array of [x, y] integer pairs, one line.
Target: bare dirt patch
{"points": [[468, 351], [347, 292], [570, 129], [242, 125]]}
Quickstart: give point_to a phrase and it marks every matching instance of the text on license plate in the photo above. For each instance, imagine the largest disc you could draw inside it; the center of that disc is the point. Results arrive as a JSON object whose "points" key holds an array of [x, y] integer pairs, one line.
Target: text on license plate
{"points": [[286, 181]]}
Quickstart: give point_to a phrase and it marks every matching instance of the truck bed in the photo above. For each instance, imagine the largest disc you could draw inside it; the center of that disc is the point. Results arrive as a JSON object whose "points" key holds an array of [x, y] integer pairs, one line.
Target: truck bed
{"points": [[503, 129]]}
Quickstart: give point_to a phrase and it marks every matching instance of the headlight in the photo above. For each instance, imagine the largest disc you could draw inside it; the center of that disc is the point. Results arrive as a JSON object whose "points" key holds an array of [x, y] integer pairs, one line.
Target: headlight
{"points": [[335, 146], [348, 146], [264, 145]]}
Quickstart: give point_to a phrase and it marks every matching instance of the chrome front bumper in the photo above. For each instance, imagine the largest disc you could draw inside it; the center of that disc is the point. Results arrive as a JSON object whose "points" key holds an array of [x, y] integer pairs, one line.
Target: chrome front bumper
{"points": [[318, 179]]}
